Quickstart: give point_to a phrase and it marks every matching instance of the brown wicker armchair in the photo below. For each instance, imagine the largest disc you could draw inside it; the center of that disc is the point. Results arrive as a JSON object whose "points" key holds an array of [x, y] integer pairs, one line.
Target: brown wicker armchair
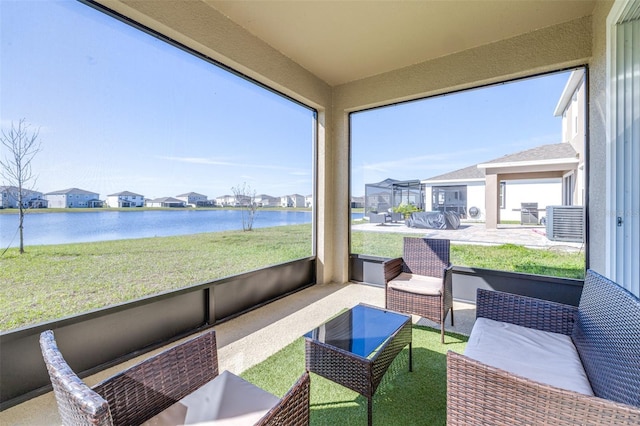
{"points": [[419, 282], [152, 386]]}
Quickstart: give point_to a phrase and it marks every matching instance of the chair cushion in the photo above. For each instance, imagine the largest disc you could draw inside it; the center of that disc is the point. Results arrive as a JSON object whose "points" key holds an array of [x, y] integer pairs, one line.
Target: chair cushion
{"points": [[419, 284], [545, 357], [226, 400]]}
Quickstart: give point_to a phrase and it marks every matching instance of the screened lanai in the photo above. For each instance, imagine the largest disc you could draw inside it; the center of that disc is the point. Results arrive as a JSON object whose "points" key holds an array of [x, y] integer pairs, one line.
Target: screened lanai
{"points": [[391, 193], [314, 53]]}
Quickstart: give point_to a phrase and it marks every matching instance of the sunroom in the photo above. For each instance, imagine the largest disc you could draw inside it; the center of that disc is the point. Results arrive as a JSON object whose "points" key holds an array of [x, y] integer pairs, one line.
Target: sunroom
{"points": [[341, 58]]}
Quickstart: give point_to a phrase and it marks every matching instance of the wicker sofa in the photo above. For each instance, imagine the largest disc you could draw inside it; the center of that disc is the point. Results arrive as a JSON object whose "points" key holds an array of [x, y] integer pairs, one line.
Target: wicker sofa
{"points": [[605, 333]]}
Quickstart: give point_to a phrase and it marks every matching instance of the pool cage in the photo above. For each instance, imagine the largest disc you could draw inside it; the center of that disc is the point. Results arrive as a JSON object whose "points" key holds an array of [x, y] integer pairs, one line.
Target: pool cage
{"points": [[390, 193]]}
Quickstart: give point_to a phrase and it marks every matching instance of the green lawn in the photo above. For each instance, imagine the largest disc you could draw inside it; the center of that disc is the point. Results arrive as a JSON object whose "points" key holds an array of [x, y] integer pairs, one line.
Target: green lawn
{"points": [[50, 282], [403, 398], [506, 257]]}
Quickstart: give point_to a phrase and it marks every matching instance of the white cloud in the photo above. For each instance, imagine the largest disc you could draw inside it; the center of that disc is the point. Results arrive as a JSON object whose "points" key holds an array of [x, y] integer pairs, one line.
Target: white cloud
{"points": [[224, 162]]}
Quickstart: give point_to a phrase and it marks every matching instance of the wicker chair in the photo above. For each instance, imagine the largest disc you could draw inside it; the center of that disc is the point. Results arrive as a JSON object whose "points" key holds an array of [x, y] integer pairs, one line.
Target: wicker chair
{"points": [[146, 389], [419, 282]]}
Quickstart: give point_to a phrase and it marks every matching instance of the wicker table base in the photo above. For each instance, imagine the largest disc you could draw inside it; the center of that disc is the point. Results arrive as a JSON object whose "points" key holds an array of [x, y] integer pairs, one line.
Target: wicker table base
{"points": [[333, 352]]}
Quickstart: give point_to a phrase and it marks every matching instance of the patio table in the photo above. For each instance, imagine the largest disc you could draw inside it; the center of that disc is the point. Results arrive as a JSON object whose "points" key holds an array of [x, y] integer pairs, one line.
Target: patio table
{"points": [[356, 348]]}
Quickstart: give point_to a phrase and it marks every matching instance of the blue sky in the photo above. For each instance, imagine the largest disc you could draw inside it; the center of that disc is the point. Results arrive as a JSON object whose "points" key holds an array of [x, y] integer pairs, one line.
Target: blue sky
{"points": [[119, 110], [430, 137]]}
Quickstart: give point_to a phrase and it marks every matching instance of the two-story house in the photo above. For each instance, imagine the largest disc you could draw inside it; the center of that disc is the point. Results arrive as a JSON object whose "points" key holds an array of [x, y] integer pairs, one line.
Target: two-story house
{"points": [[264, 200], [73, 198], [194, 199], [293, 200], [226, 200], [125, 199], [9, 198]]}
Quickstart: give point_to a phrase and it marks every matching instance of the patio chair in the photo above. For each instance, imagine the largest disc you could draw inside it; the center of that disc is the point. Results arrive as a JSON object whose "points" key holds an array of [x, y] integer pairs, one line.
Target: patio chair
{"points": [[419, 282], [157, 385]]}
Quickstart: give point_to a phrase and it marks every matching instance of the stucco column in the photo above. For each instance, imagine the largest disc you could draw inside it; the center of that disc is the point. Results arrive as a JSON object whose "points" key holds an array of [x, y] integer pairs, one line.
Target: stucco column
{"points": [[491, 192]]}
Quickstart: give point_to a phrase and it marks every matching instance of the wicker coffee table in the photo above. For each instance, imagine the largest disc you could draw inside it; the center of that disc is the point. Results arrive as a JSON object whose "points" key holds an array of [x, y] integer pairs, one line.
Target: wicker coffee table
{"points": [[356, 348]]}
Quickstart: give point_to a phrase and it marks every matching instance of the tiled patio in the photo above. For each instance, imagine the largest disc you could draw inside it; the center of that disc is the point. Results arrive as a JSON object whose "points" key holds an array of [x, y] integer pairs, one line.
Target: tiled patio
{"points": [[531, 236], [251, 338]]}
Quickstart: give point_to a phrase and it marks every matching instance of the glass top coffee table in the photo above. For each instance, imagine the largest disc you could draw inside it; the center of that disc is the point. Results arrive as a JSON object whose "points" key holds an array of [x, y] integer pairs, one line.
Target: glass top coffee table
{"points": [[355, 348]]}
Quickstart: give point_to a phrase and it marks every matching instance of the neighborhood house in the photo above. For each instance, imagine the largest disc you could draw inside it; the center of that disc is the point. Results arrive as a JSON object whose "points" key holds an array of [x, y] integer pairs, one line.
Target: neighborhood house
{"points": [[125, 199], [523, 187], [73, 198]]}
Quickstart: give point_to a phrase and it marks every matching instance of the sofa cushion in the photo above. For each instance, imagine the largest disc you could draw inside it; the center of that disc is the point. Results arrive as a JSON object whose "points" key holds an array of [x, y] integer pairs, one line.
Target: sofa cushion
{"points": [[419, 284], [545, 357], [226, 400]]}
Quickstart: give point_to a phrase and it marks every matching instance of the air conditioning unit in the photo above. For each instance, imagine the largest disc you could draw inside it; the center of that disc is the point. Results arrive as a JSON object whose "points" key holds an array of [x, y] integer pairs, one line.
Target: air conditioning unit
{"points": [[565, 223]]}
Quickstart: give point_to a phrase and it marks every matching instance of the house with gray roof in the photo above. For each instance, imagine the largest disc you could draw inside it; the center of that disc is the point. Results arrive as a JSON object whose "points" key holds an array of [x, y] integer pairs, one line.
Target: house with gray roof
{"points": [[531, 176], [125, 199], [166, 202], [264, 200], [30, 199], [73, 198], [530, 180], [194, 199]]}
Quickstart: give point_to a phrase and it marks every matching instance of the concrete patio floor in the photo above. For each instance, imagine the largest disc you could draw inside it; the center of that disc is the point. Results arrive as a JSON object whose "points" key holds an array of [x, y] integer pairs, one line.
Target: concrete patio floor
{"points": [[253, 337], [531, 236]]}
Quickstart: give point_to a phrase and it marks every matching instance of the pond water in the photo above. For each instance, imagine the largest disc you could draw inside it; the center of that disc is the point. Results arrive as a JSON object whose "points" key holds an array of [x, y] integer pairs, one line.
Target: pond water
{"points": [[63, 228]]}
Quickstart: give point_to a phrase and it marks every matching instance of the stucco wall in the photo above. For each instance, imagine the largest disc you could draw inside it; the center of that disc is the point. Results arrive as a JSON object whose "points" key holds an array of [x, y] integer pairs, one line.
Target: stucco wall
{"points": [[598, 212], [548, 49], [545, 192]]}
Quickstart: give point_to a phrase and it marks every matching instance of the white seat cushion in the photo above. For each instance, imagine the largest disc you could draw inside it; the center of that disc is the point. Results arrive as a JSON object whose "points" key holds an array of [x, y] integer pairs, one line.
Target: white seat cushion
{"points": [[419, 284], [226, 400], [545, 357]]}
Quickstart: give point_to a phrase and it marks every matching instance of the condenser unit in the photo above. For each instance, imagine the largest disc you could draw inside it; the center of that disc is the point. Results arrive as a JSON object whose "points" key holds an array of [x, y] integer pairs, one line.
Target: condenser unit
{"points": [[565, 223]]}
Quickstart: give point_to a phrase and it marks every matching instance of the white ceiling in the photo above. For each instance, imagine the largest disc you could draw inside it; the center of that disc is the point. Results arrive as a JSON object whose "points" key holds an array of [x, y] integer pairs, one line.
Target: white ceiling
{"points": [[342, 41]]}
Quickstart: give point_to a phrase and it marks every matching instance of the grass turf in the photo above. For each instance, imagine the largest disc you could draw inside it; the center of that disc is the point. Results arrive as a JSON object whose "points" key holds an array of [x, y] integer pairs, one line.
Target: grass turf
{"points": [[403, 398]]}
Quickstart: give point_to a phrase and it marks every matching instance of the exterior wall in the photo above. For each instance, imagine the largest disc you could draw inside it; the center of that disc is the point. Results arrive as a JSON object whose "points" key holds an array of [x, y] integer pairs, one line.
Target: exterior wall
{"points": [[9, 197], [298, 201], [268, 201], [136, 200], [70, 200], [227, 200], [79, 200], [57, 201], [574, 132], [112, 201], [598, 213], [475, 198], [545, 192], [286, 201], [193, 200]]}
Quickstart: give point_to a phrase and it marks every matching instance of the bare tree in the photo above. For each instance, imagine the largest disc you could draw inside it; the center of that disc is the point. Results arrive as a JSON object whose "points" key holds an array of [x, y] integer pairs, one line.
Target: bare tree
{"points": [[245, 198], [22, 145]]}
